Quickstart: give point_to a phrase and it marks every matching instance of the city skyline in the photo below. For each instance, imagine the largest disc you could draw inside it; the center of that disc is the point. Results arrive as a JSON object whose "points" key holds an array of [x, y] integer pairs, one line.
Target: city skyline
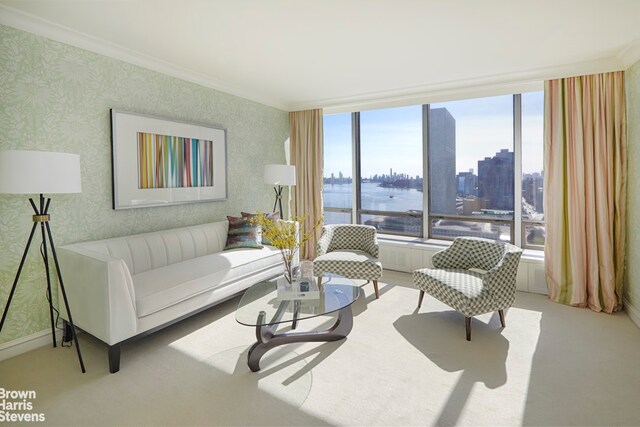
{"points": [[484, 126]]}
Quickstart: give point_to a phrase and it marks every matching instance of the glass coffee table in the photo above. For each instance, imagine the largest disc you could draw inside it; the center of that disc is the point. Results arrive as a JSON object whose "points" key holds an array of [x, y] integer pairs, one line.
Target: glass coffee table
{"points": [[265, 308]]}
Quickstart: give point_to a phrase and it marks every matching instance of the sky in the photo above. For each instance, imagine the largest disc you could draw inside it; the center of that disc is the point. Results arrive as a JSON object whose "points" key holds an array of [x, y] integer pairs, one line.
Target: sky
{"points": [[391, 138]]}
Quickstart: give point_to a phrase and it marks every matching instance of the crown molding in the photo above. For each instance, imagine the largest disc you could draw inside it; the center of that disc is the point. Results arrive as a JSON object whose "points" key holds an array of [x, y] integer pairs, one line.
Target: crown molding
{"points": [[60, 33], [443, 91], [630, 54], [499, 84]]}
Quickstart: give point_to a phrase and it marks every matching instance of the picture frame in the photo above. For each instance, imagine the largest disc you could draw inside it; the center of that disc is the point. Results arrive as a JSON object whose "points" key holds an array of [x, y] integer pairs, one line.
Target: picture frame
{"points": [[161, 162]]}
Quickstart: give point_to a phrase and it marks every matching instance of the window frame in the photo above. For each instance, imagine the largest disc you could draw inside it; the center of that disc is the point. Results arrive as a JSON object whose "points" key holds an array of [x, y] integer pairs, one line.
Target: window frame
{"points": [[517, 225]]}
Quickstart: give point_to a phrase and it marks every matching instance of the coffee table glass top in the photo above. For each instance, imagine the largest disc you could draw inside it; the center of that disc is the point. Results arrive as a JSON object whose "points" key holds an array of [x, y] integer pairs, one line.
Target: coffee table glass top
{"points": [[336, 292]]}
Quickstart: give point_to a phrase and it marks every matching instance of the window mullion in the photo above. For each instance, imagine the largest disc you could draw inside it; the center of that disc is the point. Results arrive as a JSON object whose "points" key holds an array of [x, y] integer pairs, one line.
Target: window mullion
{"points": [[517, 170], [356, 187], [426, 224]]}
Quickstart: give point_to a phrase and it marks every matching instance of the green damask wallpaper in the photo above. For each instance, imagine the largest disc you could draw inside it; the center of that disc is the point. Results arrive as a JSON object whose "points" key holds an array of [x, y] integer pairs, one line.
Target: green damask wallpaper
{"points": [[632, 272], [55, 97]]}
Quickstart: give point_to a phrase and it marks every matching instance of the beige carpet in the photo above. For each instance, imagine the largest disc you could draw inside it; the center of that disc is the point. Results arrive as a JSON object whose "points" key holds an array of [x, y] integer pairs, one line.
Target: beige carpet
{"points": [[551, 365]]}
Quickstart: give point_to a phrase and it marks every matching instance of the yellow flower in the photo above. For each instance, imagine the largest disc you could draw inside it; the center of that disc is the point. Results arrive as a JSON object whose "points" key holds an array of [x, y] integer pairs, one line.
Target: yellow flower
{"points": [[282, 235]]}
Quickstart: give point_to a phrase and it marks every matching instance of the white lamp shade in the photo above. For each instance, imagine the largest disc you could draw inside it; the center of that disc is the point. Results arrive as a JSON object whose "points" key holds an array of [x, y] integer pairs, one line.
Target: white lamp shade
{"points": [[39, 172], [280, 174]]}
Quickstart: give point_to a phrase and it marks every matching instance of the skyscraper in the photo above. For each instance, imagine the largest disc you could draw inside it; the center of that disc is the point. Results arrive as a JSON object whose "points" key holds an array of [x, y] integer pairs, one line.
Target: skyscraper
{"points": [[495, 180], [442, 162]]}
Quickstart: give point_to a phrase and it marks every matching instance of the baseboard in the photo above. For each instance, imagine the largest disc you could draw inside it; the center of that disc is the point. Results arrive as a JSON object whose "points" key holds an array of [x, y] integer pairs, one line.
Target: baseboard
{"points": [[31, 342], [632, 311]]}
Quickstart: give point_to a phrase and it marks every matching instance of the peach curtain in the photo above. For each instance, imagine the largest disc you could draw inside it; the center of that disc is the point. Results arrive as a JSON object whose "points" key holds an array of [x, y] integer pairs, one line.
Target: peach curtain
{"points": [[585, 190], [307, 156]]}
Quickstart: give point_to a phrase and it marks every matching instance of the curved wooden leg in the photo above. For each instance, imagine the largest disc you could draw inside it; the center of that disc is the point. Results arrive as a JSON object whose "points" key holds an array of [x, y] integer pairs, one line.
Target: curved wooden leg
{"points": [[501, 313], [375, 288], [467, 322], [420, 298], [268, 339]]}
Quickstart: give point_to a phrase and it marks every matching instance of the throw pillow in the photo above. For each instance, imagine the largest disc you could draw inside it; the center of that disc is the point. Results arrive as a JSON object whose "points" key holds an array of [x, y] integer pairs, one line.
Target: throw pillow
{"points": [[242, 234], [273, 216]]}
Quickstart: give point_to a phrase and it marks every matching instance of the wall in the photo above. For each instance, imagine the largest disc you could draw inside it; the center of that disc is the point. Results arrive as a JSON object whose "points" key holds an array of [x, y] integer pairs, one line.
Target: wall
{"points": [[55, 97], [632, 273]]}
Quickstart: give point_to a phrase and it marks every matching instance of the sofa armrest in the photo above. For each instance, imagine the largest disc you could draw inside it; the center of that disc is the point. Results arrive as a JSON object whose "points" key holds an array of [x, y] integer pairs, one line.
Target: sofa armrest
{"points": [[100, 293]]}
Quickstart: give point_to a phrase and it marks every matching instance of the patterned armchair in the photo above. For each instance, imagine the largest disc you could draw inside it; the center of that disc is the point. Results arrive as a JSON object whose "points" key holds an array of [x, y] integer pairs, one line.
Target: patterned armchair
{"points": [[350, 251], [457, 279]]}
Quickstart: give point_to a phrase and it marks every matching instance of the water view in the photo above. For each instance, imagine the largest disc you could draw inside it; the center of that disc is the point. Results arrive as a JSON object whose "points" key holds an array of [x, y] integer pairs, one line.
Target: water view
{"points": [[374, 197]]}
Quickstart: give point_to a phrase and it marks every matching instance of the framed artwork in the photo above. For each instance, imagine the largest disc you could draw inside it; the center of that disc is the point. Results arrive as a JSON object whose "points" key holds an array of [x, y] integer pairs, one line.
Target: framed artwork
{"points": [[158, 162]]}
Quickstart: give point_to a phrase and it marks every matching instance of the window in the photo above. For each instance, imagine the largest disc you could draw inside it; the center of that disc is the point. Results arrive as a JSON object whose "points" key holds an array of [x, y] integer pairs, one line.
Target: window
{"points": [[338, 185], [471, 168], [391, 170], [472, 148]]}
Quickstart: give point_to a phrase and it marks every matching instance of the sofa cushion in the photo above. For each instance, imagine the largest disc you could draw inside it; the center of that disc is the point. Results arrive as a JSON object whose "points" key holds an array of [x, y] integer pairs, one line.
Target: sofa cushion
{"points": [[273, 216], [243, 234], [162, 287]]}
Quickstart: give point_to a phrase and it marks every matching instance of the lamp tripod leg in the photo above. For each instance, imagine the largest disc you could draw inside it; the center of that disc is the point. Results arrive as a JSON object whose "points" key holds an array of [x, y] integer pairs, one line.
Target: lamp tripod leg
{"points": [[64, 297], [15, 281], [279, 200], [45, 258], [275, 203]]}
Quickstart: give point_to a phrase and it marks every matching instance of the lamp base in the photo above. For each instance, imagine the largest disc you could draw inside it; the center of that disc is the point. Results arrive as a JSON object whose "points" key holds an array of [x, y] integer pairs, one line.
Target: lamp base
{"points": [[41, 217]]}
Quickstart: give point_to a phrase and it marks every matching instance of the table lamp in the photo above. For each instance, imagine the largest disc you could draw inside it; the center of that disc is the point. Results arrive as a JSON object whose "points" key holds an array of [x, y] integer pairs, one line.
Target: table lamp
{"points": [[41, 172], [279, 176]]}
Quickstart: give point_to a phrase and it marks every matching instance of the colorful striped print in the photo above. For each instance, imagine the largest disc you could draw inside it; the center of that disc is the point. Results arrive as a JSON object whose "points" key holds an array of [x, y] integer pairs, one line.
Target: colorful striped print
{"points": [[172, 161]]}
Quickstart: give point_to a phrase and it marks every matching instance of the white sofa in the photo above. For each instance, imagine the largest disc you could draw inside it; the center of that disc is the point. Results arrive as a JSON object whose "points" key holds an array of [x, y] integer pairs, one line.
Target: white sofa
{"points": [[122, 287]]}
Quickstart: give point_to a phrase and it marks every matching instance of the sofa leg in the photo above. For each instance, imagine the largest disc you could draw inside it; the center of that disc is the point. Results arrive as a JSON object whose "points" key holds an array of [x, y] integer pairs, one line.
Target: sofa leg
{"points": [[420, 298], [501, 313], [467, 322], [114, 358], [375, 288]]}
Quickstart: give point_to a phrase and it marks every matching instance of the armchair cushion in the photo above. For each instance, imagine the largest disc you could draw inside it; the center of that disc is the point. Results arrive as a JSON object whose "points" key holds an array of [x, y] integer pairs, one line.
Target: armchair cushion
{"points": [[461, 290], [354, 264]]}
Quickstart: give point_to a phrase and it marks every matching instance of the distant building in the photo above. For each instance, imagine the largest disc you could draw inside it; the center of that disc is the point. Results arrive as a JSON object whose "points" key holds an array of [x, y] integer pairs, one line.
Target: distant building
{"points": [[495, 180], [532, 191], [472, 205], [442, 162], [466, 183]]}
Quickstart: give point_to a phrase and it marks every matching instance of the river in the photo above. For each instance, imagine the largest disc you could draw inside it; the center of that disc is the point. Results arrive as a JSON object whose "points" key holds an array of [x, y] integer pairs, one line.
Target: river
{"points": [[374, 197]]}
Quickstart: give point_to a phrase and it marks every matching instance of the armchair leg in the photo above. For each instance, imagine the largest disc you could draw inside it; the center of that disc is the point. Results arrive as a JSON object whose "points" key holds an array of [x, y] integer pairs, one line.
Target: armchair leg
{"points": [[501, 313], [467, 322], [375, 288], [319, 281], [420, 298]]}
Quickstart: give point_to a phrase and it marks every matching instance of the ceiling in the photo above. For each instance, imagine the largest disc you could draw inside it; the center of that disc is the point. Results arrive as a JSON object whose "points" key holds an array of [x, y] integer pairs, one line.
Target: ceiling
{"points": [[297, 54]]}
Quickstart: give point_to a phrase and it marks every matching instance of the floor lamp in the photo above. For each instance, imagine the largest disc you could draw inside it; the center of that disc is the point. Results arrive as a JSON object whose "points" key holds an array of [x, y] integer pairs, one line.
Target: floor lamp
{"points": [[279, 176], [41, 172]]}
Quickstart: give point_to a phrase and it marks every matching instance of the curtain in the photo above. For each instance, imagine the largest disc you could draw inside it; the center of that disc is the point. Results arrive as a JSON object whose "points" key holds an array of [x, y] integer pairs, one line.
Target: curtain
{"points": [[307, 156], [585, 190]]}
